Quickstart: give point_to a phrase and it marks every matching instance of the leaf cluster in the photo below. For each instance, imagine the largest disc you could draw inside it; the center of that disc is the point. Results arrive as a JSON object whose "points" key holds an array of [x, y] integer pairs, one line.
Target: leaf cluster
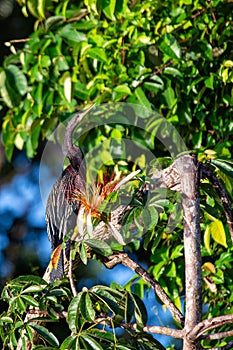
{"points": [[173, 57], [92, 316]]}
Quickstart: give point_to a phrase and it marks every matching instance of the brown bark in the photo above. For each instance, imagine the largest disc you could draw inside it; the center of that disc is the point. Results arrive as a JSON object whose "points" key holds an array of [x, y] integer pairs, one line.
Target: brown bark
{"points": [[188, 170]]}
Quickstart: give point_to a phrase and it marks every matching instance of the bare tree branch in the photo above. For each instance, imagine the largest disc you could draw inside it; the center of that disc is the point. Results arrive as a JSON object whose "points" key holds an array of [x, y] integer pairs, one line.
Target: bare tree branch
{"points": [[220, 335], [176, 333], [209, 324], [124, 259]]}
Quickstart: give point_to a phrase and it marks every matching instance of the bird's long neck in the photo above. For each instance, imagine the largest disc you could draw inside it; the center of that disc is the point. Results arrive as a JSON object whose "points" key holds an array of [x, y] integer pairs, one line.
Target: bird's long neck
{"points": [[70, 150]]}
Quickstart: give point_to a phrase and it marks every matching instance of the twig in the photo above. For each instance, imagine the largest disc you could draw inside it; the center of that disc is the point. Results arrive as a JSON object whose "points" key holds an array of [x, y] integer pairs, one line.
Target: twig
{"points": [[212, 12], [17, 41], [198, 13], [70, 275], [160, 70], [76, 19], [124, 259]]}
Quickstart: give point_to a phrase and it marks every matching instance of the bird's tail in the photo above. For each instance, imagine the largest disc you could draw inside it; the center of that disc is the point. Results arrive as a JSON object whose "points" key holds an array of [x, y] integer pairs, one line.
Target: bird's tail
{"points": [[60, 262], [56, 265]]}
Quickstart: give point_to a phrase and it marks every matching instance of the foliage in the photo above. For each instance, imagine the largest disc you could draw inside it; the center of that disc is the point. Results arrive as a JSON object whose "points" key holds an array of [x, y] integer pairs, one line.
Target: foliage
{"points": [[90, 317], [173, 57]]}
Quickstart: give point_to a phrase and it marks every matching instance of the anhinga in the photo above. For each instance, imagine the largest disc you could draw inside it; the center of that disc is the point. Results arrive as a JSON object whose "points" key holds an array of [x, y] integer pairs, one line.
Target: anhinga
{"points": [[61, 208], [72, 205]]}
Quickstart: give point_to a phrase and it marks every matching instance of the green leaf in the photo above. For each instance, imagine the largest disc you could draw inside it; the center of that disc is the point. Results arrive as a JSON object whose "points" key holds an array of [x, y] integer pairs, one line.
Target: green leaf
{"points": [[169, 96], [29, 278], [89, 343], [41, 8], [69, 34], [223, 166], [98, 54], [142, 99], [73, 313], [173, 72], [108, 7], [105, 296], [30, 300], [102, 335], [16, 79], [6, 319], [52, 21], [45, 334], [169, 45], [67, 343], [140, 310], [99, 246], [86, 308], [150, 217], [209, 82], [21, 305], [83, 253], [218, 233], [129, 308], [177, 252], [81, 91], [33, 9], [121, 91], [153, 86]]}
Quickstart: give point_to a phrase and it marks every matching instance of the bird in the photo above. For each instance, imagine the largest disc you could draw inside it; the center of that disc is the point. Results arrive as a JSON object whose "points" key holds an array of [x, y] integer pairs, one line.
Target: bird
{"points": [[61, 209], [72, 205]]}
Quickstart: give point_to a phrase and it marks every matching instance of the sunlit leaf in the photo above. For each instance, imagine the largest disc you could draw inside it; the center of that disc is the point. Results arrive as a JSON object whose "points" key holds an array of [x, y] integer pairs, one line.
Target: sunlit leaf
{"points": [[218, 233], [169, 45], [6, 319], [207, 238], [98, 54], [142, 99], [108, 7], [208, 266]]}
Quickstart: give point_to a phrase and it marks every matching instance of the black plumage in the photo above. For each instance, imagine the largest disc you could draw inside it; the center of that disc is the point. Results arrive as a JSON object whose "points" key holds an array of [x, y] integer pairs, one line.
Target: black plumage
{"points": [[61, 208]]}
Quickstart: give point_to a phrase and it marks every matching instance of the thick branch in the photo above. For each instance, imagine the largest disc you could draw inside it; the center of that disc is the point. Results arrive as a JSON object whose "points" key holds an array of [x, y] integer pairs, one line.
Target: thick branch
{"points": [[171, 332], [209, 324], [124, 259], [175, 333]]}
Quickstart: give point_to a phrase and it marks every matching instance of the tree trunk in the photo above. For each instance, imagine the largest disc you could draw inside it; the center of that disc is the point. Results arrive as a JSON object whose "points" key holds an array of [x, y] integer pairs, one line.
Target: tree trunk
{"points": [[189, 175]]}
